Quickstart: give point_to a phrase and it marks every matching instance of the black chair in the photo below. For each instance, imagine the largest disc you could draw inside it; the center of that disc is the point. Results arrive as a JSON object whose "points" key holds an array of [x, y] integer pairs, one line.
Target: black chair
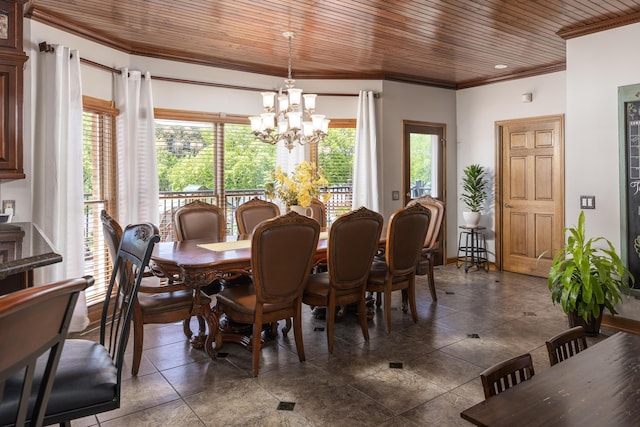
{"points": [[566, 344], [89, 373], [24, 338], [507, 374]]}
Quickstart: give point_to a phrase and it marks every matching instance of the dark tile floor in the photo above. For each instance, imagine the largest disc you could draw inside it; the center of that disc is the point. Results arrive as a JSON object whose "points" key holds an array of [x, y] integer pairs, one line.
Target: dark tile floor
{"points": [[479, 319]]}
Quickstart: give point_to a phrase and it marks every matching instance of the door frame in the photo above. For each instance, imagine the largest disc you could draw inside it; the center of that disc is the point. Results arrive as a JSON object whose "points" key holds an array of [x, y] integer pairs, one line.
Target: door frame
{"points": [[498, 177], [442, 184]]}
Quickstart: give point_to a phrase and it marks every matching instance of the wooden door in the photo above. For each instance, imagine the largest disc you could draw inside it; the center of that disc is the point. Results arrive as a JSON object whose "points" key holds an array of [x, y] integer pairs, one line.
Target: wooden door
{"points": [[531, 195]]}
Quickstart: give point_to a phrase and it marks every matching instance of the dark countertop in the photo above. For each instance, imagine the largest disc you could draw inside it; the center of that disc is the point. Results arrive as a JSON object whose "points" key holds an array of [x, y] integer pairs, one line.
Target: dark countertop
{"points": [[24, 247]]}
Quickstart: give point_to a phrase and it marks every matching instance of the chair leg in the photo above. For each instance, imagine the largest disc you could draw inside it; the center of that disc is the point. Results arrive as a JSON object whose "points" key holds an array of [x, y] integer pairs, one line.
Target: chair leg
{"points": [[362, 316], [138, 341], [287, 326], [331, 320], [411, 294], [256, 339], [186, 327], [431, 279], [387, 309], [405, 298], [297, 333], [378, 299]]}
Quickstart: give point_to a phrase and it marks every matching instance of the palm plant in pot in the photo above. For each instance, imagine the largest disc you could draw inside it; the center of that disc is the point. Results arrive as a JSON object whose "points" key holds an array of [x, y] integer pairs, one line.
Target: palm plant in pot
{"points": [[585, 278], [474, 193]]}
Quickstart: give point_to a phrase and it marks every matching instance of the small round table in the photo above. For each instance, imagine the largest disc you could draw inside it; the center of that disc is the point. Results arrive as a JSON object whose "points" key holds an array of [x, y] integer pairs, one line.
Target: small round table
{"points": [[473, 252]]}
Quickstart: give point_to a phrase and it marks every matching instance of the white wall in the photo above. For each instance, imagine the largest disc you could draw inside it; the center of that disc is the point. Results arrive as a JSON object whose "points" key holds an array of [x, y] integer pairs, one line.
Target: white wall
{"points": [[597, 65], [403, 101], [479, 108]]}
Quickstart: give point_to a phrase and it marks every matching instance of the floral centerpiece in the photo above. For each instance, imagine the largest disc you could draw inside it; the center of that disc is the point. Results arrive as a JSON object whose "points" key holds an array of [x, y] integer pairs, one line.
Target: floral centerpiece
{"points": [[299, 188]]}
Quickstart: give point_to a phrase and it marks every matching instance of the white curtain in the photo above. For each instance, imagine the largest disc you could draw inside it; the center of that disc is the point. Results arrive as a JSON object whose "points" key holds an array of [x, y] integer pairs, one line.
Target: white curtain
{"points": [[137, 170], [58, 180], [365, 168]]}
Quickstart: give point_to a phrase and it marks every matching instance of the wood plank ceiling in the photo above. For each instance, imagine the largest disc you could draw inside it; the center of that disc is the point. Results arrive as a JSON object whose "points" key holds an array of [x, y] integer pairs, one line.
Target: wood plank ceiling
{"points": [[445, 43]]}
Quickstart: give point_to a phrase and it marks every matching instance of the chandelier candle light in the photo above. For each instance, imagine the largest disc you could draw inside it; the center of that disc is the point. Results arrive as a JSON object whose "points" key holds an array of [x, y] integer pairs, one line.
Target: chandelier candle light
{"points": [[293, 122]]}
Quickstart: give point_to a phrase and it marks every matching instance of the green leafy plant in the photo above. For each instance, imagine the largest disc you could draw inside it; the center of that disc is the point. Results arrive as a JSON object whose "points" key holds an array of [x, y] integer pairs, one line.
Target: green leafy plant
{"points": [[474, 187], [583, 278]]}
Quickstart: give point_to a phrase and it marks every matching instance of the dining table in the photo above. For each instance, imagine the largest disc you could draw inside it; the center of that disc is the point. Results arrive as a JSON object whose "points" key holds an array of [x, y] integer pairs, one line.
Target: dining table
{"points": [[599, 386], [197, 263]]}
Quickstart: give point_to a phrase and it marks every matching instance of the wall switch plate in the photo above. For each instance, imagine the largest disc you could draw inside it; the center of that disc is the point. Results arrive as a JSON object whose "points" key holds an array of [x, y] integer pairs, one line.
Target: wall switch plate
{"points": [[395, 195], [587, 202]]}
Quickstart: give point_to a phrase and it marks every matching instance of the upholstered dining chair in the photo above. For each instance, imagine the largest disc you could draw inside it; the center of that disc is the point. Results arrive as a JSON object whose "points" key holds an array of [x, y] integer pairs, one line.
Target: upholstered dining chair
{"points": [[282, 252], [88, 378], [507, 374], [253, 212], [318, 211], [353, 241], [566, 344], [159, 300], [405, 239], [432, 240], [199, 220], [27, 341]]}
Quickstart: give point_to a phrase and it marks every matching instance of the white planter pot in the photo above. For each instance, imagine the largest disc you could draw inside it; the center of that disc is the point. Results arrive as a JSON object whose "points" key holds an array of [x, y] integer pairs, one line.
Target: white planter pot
{"points": [[471, 219], [301, 211]]}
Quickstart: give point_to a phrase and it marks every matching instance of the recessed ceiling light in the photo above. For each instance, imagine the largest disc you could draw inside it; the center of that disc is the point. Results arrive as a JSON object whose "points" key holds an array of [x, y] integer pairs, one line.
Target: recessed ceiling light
{"points": [[500, 66]]}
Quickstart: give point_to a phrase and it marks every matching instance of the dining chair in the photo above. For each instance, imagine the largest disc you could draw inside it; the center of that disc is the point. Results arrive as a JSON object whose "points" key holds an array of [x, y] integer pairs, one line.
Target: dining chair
{"points": [[566, 344], [29, 343], [432, 240], [353, 241], [88, 378], [318, 211], [282, 253], [405, 239], [253, 212], [507, 374], [199, 220], [160, 300]]}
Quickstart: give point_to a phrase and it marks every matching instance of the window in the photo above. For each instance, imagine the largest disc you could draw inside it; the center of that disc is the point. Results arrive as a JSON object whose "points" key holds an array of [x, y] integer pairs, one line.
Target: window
{"points": [[335, 157], [215, 158], [98, 121]]}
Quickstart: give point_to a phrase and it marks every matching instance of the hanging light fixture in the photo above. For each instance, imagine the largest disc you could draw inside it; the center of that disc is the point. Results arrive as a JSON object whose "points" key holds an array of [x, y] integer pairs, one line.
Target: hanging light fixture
{"points": [[294, 120]]}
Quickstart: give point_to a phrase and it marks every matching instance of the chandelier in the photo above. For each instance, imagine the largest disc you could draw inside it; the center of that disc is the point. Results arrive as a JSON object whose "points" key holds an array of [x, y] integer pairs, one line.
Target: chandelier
{"points": [[292, 122]]}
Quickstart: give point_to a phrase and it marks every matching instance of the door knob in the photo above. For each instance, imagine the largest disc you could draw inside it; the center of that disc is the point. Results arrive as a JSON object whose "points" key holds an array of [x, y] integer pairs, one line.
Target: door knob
{"points": [[507, 205]]}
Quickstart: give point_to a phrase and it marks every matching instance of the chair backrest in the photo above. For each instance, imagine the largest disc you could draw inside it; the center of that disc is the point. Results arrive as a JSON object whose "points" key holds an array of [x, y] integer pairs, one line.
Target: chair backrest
{"points": [[34, 321], [253, 212], [405, 238], [318, 212], [432, 238], [112, 234], [282, 253], [507, 374], [353, 241], [199, 220], [566, 344], [130, 263]]}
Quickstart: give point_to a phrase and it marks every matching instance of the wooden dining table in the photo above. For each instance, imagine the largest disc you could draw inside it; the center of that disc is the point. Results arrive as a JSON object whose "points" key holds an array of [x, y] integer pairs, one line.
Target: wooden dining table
{"points": [[197, 263], [599, 386]]}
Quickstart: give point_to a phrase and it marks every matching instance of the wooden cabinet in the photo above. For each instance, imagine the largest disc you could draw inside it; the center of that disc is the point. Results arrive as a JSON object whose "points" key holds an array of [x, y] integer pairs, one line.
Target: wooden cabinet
{"points": [[12, 60]]}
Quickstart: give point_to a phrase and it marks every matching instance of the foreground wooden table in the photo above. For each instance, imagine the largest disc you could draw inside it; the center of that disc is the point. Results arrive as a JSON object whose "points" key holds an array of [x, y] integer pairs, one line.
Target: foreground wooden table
{"points": [[598, 387]]}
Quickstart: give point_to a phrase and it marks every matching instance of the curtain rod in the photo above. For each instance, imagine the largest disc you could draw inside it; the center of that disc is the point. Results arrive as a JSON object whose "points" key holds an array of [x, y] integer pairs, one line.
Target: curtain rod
{"points": [[46, 47]]}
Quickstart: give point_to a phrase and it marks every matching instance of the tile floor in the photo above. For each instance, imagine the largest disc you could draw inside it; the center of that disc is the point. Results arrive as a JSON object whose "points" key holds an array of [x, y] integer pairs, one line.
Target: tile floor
{"points": [[440, 356]]}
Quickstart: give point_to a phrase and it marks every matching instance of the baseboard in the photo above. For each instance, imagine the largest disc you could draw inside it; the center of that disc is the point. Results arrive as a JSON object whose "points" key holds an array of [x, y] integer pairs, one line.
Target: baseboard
{"points": [[621, 323]]}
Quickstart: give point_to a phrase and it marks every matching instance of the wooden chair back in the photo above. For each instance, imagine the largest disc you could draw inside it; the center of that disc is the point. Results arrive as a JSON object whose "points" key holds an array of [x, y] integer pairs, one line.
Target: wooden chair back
{"points": [[507, 374], [566, 344], [432, 238], [199, 220], [253, 212], [25, 337], [353, 241], [282, 253], [319, 212], [405, 238]]}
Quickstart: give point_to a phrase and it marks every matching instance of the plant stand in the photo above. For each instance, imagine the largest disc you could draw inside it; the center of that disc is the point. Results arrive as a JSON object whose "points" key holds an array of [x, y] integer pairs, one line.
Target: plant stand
{"points": [[473, 252]]}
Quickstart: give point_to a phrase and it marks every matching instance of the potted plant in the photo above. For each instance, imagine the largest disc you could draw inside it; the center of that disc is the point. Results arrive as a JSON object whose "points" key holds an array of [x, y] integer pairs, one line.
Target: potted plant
{"points": [[585, 278], [297, 190], [474, 193]]}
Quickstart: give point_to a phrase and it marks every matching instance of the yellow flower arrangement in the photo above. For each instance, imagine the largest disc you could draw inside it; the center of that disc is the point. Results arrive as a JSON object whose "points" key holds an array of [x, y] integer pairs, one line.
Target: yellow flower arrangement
{"points": [[299, 188]]}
